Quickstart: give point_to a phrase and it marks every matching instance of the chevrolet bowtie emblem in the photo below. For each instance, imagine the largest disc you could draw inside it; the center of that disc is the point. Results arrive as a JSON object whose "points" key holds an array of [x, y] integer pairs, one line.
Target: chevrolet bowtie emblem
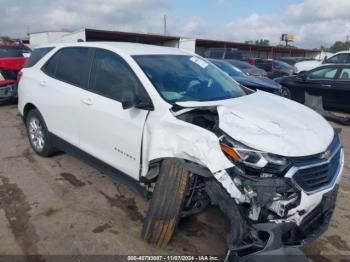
{"points": [[326, 155]]}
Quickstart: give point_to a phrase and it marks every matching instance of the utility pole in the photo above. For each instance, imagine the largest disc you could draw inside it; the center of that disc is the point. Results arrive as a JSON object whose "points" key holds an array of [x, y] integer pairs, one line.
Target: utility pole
{"points": [[165, 25]]}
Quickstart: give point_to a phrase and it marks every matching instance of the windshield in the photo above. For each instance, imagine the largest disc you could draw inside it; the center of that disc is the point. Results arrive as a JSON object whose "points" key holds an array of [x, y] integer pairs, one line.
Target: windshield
{"points": [[180, 78], [229, 69], [14, 51]]}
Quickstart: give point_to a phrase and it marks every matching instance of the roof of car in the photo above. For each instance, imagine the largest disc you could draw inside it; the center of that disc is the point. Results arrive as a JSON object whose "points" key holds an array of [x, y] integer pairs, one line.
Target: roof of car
{"points": [[128, 48], [342, 52], [13, 44], [335, 65]]}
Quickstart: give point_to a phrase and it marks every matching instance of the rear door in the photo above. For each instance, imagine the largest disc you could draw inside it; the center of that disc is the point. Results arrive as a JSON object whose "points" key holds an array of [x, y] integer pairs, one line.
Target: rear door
{"points": [[319, 82], [338, 96], [107, 131], [64, 76]]}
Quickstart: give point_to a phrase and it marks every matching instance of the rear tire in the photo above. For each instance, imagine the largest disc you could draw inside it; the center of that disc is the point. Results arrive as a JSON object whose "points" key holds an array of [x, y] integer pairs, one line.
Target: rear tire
{"points": [[166, 203], [38, 135]]}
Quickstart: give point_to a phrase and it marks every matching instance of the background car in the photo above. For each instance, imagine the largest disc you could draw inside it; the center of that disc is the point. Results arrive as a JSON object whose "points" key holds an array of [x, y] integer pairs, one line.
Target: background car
{"points": [[338, 58], [293, 60], [332, 82], [223, 53], [247, 68], [274, 68], [252, 82], [12, 59]]}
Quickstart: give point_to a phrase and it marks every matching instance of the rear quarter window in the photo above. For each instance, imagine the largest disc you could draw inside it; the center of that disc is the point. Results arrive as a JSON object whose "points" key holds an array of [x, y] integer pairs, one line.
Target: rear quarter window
{"points": [[69, 65], [36, 55]]}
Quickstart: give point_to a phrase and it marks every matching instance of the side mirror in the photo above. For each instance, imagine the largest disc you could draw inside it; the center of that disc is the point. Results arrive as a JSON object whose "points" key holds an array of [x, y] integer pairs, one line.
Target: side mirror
{"points": [[127, 104], [130, 100], [303, 76], [325, 60]]}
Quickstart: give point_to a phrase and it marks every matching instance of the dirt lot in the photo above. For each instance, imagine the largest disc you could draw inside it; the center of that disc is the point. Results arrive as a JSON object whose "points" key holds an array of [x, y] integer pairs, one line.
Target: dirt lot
{"points": [[61, 206]]}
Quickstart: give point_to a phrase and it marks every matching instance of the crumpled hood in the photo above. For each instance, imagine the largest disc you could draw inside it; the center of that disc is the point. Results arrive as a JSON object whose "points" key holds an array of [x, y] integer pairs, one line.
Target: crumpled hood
{"points": [[272, 124]]}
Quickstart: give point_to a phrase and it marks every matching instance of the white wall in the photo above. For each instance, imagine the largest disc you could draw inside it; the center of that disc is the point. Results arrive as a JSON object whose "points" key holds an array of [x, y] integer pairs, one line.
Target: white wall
{"points": [[44, 38], [188, 44], [172, 43], [74, 37]]}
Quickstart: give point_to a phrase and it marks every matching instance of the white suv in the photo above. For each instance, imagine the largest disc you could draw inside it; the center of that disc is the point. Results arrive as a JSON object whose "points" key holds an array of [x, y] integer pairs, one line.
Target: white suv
{"points": [[338, 58], [177, 129]]}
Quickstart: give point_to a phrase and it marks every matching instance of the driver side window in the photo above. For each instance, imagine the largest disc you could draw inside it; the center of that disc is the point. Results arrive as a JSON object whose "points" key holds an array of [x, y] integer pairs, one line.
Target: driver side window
{"points": [[111, 76], [324, 73]]}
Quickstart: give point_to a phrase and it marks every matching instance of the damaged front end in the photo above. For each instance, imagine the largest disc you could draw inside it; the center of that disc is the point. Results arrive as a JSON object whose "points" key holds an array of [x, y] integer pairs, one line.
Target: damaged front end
{"points": [[8, 84], [8, 90], [273, 203]]}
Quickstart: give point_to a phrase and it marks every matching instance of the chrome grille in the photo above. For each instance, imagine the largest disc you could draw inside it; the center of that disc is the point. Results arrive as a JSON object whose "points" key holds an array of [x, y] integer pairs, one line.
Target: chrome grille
{"points": [[318, 176]]}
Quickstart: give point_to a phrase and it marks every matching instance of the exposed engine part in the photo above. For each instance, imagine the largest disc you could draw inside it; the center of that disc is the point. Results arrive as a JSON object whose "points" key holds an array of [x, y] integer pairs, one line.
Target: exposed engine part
{"points": [[280, 205], [225, 180], [196, 199], [204, 117]]}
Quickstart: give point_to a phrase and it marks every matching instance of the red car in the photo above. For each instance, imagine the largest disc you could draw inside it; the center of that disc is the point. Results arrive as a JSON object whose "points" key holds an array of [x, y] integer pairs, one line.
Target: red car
{"points": [[12, 59]]}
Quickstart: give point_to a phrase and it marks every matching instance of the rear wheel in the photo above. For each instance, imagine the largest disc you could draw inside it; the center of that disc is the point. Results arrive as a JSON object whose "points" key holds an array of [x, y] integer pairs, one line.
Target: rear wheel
{"points": [[39, 136], [166, 203]]}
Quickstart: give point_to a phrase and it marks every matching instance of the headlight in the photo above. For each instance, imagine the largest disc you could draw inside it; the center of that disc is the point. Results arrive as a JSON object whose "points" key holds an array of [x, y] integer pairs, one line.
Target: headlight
{"points": [[253, 158]]}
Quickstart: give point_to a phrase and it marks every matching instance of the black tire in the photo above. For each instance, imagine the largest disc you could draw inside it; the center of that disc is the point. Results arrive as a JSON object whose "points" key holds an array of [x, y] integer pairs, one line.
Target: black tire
{"points": [[48, 149], [286, 93], [166, 203]]}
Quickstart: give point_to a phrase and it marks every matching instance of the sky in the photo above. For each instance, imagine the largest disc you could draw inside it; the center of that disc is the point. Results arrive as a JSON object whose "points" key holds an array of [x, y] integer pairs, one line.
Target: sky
{"points": [[313, 22]]}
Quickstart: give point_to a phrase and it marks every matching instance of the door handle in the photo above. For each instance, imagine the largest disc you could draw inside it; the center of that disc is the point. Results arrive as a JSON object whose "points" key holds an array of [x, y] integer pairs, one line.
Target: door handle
{"points": [[43, 83], [86, 101], [327, 85]]}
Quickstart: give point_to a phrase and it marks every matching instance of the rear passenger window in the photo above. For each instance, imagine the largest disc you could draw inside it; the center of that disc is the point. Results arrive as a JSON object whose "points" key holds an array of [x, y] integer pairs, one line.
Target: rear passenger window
{"points": [[111, 76], [69, 65], [36, 55], [50, 67], [72, 64]]}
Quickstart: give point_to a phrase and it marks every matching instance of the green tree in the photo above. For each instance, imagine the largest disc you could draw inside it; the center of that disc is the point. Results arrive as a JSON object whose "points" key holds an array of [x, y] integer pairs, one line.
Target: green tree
{"points": [[5, 40], [262, 42], [339, 46]]}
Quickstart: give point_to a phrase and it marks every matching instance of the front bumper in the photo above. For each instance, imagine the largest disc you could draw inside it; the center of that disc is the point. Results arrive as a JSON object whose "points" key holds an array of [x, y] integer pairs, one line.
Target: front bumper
{"points": [[316, 181], [284, 239], [8, 92]]}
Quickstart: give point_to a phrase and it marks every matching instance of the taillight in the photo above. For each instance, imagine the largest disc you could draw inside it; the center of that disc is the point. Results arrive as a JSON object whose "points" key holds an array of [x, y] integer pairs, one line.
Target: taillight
{"points": [[252, 62], [19, 75]]}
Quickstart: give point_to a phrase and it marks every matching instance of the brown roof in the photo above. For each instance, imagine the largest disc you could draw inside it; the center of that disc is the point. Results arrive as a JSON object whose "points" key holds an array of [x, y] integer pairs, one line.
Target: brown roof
{"points": [[230, 44], [107, 35], [104, 35]]}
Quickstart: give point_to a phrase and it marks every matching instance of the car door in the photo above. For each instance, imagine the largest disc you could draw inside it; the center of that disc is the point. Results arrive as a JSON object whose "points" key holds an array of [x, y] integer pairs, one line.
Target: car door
{"points": [[64, 75], [338, 95], [107, 131], [316, 83]]}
